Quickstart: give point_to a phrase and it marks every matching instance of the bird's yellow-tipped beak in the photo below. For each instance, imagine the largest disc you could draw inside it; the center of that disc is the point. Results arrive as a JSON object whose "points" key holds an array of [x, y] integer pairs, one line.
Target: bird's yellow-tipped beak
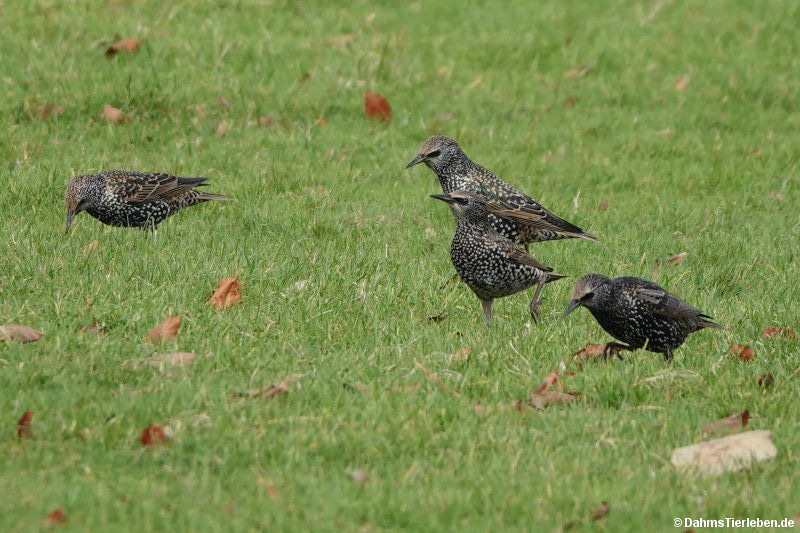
{"points": [[417, 160], [571, 307]]}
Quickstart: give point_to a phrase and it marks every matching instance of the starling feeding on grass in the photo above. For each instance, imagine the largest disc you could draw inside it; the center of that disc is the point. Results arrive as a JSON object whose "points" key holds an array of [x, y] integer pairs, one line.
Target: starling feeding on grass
{"points": [[489, 263], [130, 198], [638, 312], [457, 172]]}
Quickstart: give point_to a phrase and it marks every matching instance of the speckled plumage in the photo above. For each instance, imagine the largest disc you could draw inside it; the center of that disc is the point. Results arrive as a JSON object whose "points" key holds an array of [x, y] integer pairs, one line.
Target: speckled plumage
{"points": [[456, 171], [133, 199], [638, 312], [489, 263]]}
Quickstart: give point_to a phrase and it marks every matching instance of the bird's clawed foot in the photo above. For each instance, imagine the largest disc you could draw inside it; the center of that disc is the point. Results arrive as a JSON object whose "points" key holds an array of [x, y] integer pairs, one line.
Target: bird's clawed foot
{"points": [[613, 348], [534, 309]]}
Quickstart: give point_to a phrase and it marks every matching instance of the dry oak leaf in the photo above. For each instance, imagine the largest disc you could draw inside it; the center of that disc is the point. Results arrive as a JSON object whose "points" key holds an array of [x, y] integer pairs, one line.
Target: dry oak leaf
{"points": [[600, 511], [681, 83], [49, 110], [727, 454], [375, 105], [729, 424], [54, 518], [129, 45], [590, 352], [779, 331], [24, 425], [15, 332], [166, 330], [172, 358], [227, 294], [270, 391], [152, 434], [112, 114], [743, 352], [677, 258], [549, 381]]}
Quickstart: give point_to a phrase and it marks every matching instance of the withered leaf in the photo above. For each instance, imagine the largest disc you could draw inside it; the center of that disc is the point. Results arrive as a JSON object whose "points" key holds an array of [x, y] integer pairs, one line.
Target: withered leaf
{"points": [[726, 454], [438, 318], [600, 511], [433, 377], [375, 105], [24, 425], [729, 424], [270, 391], [15, 332], [49, 110], [58, 516], [677, 258], [227, 294], [152, 434], [172, 358], [743, 352], [112, 114], [590, 352], [766, 380], [541, 400], [681, 83], [128, 45], [779, 331], [266, 121], [166, 330], [96, 327], [549, 381], [222, 128]]}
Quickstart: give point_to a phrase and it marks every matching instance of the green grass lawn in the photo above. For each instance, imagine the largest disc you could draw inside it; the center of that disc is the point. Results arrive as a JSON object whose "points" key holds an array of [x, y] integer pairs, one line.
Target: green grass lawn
{"points": [[662, 127]]}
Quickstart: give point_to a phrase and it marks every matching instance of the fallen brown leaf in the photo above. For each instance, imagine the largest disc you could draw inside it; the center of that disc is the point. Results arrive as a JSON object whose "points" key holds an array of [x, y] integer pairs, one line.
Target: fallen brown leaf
{"points": [[743, 352], [227, 294], [681, 83], [729, 424], [766, 380], [222, 128], [375, 105], [727, 454], [549, 381], [112, 114], [49, 110], [266, 121], [438, 318], [152, 434], [270, 391], [129, 45], [15, 332], [433, 377], [96, 327], [590, 352], [780, 331], [24, 425], [54, 518], [600, 511], [677, 258], [166, 330], [570, 100], [541, 400], [172, 358]]}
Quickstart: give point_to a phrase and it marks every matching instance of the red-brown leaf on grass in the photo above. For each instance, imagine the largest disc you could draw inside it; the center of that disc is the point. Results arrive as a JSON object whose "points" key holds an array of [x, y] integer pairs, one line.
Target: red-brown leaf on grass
{"points": [[15, 332], [570, 100], [227, 294], [270, 391], [681, 83], [49, 110], [375, 105], [128, 45], [766, 380], [541, 396], [779, 331], [172, 358], [743, 352], [152, 434], [729, 424], [600, 511], [54, 518], [549, 381], [166, 330], [112, 114], [24, 425], [96, 327], [677, 258], [591, 351], [266, 121]]}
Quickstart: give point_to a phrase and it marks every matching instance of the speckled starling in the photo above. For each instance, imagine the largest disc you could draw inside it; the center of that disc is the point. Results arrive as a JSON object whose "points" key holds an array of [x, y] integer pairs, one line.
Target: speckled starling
{"points": [[130, 198], [457, 172], [489, 263], [638, 312]]}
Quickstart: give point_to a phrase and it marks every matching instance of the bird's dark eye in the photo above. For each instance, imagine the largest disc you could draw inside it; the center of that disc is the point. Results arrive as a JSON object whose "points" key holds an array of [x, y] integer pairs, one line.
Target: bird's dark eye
{"points": [[586, 297], [434, 153]]}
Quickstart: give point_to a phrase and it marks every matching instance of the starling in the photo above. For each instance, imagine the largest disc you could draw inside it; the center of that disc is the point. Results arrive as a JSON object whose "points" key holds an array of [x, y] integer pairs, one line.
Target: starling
{"points": [[129, 198], [489, 263], [638, 312], [457, 172]]}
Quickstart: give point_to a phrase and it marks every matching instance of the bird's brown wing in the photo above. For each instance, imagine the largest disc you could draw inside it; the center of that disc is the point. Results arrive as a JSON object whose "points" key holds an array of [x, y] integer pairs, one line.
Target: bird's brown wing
{"points": [[514, 253], [666, 304], [137, 187]]}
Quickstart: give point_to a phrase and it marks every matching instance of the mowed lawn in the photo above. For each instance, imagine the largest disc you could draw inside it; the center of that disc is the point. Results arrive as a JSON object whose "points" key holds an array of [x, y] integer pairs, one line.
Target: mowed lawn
{"points": [[662, 127]]}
